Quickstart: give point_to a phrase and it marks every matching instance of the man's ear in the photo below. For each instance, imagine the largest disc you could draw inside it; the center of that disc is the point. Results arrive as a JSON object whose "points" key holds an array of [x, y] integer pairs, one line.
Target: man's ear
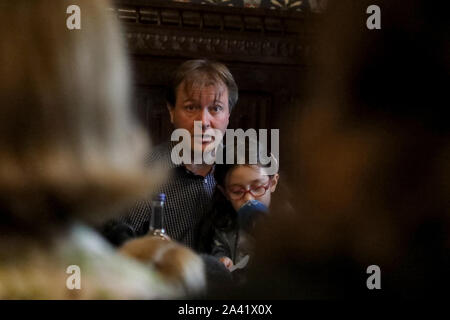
{"points": [[274, 183], [171, 111]]}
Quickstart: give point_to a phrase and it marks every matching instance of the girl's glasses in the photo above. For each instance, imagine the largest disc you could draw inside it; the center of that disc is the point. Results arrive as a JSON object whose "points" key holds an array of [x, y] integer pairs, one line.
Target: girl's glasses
{"points": [[256, 191]]}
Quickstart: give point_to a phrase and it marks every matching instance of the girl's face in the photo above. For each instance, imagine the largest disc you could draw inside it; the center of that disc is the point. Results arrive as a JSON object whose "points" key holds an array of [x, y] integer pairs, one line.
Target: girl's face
{"points": [[249, 177]]}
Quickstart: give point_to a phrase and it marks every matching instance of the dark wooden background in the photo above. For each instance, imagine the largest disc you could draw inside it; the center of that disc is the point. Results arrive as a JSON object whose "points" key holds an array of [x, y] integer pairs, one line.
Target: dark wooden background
{"points": [[266, 51]]}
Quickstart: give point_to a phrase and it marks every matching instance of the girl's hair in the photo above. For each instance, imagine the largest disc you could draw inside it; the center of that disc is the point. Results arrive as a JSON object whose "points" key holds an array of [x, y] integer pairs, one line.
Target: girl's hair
{"points": [[69, 147], [222, 169]]}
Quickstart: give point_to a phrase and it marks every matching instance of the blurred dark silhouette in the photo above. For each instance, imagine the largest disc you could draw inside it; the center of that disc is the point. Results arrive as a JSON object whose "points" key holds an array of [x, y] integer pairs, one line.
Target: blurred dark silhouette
{"points": [[372, 154]]}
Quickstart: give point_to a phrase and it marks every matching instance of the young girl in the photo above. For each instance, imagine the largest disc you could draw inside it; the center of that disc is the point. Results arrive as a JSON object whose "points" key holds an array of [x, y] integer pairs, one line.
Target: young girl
{"points": [[241, 192]]}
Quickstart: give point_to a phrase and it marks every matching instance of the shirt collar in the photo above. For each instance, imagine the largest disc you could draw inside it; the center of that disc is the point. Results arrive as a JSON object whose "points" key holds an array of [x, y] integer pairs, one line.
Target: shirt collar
{"points": [[172, 165]]}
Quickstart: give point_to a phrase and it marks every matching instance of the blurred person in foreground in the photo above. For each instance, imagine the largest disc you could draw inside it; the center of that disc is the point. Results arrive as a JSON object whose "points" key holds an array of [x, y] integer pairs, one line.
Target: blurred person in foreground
{"points": [[372, 154], [71, 155]]}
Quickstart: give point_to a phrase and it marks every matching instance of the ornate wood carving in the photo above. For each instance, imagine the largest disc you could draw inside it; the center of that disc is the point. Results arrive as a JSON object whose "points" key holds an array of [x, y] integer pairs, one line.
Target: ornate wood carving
{"points": [[222, 33]]}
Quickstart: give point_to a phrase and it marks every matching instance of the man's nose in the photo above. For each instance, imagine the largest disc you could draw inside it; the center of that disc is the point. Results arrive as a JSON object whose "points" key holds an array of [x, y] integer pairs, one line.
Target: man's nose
{"points": [[205, 118]]}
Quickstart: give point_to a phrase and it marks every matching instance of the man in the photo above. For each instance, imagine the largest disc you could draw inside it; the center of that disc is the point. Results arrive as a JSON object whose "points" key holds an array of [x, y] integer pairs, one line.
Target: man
{"points": [[201, 93]]}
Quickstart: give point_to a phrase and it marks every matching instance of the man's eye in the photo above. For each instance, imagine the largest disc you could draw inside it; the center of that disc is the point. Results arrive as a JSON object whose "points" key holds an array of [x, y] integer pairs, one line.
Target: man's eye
{"points": [[216, 108], [190, 107]]}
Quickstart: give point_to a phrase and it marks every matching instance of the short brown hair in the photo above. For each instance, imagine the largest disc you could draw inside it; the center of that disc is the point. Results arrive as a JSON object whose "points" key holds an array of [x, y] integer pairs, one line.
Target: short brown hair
{"points": [[202, 72]]}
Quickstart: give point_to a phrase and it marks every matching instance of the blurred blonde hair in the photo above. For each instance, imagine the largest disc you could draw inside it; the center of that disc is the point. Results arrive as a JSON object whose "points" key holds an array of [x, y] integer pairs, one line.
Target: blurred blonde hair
{"points": [[69, 146]]}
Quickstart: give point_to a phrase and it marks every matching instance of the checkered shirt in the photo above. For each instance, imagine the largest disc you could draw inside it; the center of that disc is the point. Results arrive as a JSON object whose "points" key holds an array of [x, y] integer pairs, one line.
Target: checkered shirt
{"points": [[188, 199]]}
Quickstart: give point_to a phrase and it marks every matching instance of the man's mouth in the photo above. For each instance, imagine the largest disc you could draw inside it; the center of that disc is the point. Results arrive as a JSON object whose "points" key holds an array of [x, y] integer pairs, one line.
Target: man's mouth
{"points": [[204, 139]]}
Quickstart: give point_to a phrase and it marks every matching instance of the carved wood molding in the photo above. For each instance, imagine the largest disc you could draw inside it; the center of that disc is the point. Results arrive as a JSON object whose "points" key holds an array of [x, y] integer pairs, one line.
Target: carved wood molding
{"points": [[247, 35]]}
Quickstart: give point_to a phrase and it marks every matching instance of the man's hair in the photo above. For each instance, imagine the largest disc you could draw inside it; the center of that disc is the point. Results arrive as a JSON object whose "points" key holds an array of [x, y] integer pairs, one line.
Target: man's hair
{"points": [[201, 73]]}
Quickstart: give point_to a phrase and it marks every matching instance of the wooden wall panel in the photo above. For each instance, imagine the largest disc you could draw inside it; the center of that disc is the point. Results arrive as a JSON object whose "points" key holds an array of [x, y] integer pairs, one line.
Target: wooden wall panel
{"points": [[267, 52]]}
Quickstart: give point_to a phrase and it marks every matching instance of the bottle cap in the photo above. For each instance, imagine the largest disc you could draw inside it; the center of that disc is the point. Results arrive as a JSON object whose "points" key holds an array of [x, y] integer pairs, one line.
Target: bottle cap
{"points": [[161, 197]]}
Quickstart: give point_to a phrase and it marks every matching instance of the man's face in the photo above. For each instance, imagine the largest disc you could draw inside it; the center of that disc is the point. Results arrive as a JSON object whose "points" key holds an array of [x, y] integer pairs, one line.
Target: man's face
{"points": [[208, 104]]}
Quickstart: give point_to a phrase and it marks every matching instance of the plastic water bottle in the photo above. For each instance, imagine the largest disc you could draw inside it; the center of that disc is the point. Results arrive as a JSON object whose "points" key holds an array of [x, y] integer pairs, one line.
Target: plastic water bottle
{"points": [[157, 216]]}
